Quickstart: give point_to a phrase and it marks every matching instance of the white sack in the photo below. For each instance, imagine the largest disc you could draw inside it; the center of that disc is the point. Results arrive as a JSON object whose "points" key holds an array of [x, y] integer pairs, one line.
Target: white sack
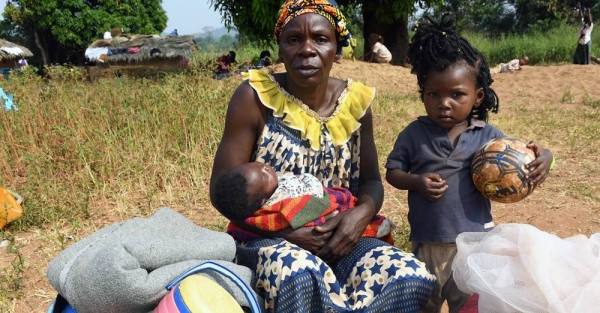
{"points": [[519, 268]]}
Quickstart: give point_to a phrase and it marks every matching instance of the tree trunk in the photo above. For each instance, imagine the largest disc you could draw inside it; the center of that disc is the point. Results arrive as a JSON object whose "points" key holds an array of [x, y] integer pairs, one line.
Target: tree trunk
{"points": [[397, 40], [395, 36], [40, 46]]}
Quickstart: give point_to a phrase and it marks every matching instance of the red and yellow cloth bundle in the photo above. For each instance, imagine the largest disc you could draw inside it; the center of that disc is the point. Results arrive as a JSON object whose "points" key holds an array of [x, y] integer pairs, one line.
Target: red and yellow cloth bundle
{"points": [[302, 211]]}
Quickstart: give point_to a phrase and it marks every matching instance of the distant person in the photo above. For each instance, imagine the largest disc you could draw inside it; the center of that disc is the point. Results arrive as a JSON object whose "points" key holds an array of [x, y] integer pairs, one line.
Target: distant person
{"points": [[349, 52], [231, 56], [584, 41], [379, 53], [264, 59], [223, 65], [22, 63], [174, 32], [253, 193], [511, 66], [184, 63]]}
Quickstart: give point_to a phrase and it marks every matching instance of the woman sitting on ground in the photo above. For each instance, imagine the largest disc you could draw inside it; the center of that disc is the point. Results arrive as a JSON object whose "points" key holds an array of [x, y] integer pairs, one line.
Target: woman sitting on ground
{"points": [[304, 121]]}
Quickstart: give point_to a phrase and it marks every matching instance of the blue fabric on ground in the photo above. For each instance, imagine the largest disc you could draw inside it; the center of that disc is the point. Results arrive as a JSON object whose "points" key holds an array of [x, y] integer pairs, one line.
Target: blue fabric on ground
{"points": [[8, 101]]}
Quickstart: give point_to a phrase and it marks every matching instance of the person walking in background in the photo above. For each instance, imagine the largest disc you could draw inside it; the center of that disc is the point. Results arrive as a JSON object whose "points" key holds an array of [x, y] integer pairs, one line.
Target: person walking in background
{"points": [[379, 53], [432, 156], [584, 42], [513, 65], [305, 121]]}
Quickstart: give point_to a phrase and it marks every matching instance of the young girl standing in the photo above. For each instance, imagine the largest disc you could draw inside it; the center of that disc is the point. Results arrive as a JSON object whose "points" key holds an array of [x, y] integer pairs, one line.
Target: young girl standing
{"points": [[432, 155]]}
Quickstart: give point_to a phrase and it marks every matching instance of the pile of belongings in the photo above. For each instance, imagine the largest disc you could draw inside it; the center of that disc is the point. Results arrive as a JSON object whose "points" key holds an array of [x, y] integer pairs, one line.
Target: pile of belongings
{"points": [[127, 266]]}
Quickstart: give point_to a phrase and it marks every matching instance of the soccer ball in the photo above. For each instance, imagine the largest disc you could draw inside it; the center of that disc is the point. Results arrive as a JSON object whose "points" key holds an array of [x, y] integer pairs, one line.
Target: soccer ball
{"points": [[498, 170]]}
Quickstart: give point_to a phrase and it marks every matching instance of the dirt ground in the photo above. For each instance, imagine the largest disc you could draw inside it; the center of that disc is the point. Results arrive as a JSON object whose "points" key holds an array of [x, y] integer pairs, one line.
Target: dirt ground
{"points": [[549, 208]]}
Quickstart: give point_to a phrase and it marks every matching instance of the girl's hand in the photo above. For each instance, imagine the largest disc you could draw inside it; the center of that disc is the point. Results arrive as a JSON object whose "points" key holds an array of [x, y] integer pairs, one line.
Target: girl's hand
{"points": [[431, 186], [541, 164], [347, 228]]}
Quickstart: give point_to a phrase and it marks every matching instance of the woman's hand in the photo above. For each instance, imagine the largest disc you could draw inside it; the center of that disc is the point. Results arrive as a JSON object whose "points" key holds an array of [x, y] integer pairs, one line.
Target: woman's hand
{"points": [[308, 238], [541, 164], [347, 229]]}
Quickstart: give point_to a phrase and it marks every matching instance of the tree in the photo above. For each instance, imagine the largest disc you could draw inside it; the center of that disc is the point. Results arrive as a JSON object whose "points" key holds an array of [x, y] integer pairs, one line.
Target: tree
{"points": [[389, 18], [227, 42], [207, 32], [254, 19], [62, 29], [490, 17]]}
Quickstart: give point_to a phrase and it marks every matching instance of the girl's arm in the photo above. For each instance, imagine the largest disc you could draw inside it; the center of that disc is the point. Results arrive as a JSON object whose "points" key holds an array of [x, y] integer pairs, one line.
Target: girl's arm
{"points": [[244, 115], [430, 185], [371, 55]]}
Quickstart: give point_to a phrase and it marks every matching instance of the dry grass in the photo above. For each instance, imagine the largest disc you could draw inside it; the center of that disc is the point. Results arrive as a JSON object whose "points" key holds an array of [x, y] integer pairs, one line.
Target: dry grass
{"points": [[88, 155]]}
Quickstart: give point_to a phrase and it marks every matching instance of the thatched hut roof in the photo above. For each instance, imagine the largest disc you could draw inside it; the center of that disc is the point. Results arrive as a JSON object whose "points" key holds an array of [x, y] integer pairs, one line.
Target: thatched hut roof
{"points": [[149, 47], [10, 51]]}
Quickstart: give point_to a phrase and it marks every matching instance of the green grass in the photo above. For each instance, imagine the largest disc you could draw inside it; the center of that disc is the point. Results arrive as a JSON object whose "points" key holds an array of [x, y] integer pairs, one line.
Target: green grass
{"points": [[551, 47]]}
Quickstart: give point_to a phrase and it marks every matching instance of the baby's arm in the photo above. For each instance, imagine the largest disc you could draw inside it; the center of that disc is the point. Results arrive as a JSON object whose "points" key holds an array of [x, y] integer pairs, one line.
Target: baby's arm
{"points": [[541, 165], [430, 185]]}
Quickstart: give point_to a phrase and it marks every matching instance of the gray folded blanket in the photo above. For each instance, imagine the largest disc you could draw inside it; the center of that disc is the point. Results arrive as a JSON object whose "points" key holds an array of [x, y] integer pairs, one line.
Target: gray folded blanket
{"points": [[125, 267]]}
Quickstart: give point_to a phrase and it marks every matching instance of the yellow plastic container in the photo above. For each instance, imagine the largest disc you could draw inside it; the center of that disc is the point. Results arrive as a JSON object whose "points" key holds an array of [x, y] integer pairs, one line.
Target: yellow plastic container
{"points": [[203, 295], [10, 206]]}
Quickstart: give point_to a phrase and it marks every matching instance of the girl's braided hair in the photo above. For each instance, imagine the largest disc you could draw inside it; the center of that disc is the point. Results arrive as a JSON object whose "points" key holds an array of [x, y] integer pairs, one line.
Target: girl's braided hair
{"points": [[437, 46]]}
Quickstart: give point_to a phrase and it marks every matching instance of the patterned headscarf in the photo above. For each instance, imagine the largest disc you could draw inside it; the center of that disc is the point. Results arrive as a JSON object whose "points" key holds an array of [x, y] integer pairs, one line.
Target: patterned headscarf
{"points": [[326, 8]]}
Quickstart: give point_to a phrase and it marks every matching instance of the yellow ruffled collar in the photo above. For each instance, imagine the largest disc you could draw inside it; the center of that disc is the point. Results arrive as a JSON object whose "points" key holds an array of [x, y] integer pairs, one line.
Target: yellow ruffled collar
{"points": [[351, 106]]}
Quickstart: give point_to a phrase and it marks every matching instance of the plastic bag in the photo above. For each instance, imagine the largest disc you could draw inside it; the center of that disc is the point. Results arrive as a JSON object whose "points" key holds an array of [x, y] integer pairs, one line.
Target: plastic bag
{"points": [[518, 268]]}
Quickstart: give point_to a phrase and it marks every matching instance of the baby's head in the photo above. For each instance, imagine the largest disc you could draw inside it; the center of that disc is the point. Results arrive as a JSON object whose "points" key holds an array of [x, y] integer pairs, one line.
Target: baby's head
{"points": [[524, 60], [244, 189], [436, 47]]}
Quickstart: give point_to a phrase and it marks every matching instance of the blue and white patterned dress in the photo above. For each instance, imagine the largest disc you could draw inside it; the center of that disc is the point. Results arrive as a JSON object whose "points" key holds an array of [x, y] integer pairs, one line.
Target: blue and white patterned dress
{"points": [[375, 276]]}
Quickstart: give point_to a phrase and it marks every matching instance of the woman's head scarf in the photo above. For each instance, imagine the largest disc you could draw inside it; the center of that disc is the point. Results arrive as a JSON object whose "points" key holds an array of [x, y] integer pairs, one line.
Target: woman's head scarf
{"points": [[326, 8]]}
